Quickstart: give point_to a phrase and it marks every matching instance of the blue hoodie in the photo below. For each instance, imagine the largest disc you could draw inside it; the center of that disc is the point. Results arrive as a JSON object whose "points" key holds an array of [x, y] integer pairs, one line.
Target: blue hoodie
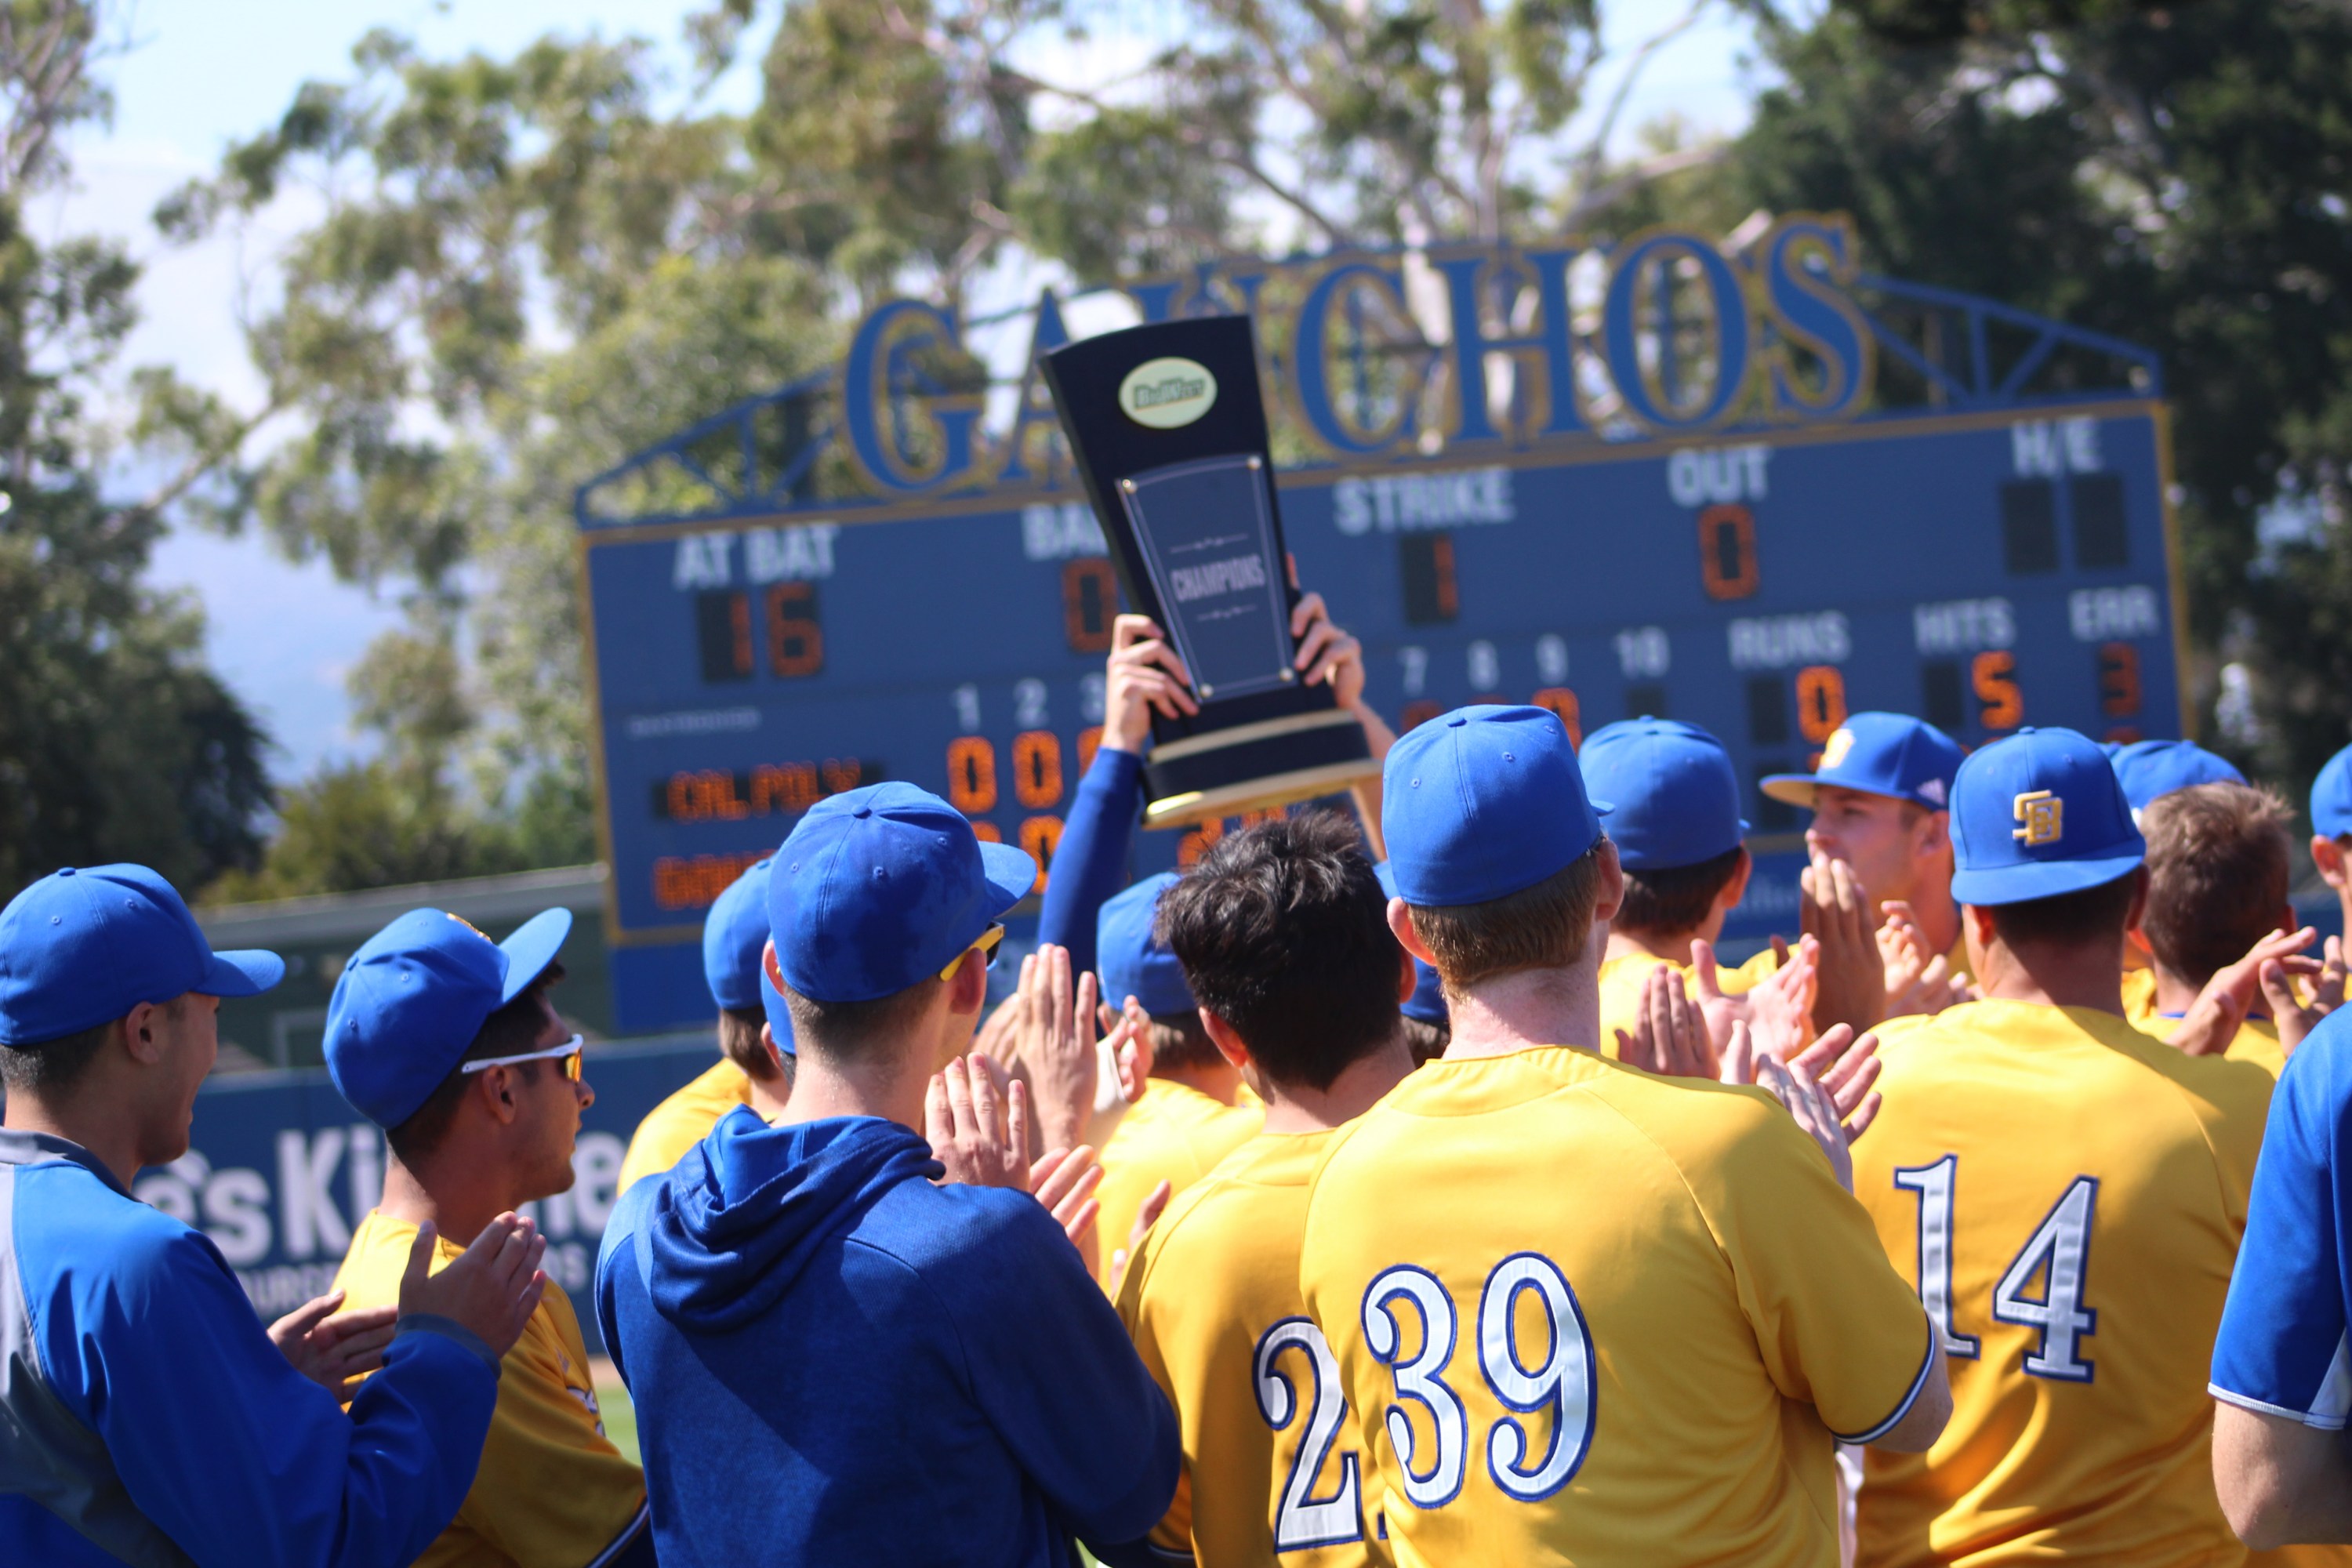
{"points": [[835, 1361]]}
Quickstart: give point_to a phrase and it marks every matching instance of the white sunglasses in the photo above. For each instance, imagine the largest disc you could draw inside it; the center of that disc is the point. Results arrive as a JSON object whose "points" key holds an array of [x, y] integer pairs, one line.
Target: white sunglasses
{"points": [[570, 1049]]}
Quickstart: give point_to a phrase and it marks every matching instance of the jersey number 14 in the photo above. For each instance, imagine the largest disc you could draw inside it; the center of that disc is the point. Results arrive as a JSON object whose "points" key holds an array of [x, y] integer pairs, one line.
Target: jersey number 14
{"points": [[2058, 1254]]}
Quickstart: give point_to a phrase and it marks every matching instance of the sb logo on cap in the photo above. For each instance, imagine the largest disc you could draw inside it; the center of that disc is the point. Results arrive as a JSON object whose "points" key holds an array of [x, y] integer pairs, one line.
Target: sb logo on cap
{"points": [[1840, 744], [2043, 814]]}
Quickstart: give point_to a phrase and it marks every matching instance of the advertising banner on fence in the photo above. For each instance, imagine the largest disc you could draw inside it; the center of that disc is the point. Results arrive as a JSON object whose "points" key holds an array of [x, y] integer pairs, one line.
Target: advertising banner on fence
{"points": [[280, 1170]]}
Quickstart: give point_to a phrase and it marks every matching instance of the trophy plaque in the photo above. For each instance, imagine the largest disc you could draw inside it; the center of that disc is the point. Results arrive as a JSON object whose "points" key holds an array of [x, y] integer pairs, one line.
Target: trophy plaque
{"points": [[1170, 436]]}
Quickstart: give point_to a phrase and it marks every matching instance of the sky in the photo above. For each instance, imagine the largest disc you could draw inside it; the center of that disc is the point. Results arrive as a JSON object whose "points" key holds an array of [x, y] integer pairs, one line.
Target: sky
{"points": [[200, 74]]}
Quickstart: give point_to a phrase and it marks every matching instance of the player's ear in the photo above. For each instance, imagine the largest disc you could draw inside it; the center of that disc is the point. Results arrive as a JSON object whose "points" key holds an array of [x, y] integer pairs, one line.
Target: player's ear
{"points": [[1229, 1044], [2328, 857], [2140, 884], [1612, 884], [1408, 979], [1400, 926], [1936, 833], [1736, 887]]}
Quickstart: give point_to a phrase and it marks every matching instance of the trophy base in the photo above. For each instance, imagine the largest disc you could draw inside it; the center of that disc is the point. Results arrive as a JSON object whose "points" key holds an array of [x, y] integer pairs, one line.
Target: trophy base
{"points": [[1250, 767]]}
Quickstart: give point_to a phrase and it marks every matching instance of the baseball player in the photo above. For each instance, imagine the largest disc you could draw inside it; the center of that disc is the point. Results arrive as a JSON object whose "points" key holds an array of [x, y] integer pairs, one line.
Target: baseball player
{"points": [[1283, 933], [1584, 1313], [2066, 1194], [1880, 801], [447, 1041], [1675, 819], [2331, 830], [2217, 868], [146, 1416], [2149, 770], [1186, 1119], [2279, 1458], [755, 1036], [836, 1357]]}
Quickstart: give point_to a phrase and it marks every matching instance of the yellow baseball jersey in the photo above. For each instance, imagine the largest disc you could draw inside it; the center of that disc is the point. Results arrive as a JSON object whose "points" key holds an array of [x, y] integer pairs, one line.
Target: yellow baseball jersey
{"points": [[1272, 1461], [552, 1491], [2066, 1194], [1621, 980], [1174, 1133], [682, 1120], [1587, 1315]]}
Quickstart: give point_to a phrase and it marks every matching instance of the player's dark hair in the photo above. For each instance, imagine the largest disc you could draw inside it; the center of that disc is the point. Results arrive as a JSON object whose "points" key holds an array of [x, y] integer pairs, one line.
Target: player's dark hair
{"points": [[739, 1042], [2062, 919], [852, 1031], [1426, 1040], [53, 1066], [1179, 1041], [2219, 868], [1542, 927], [1283, 933], [508, 1031], [1675, 900]]}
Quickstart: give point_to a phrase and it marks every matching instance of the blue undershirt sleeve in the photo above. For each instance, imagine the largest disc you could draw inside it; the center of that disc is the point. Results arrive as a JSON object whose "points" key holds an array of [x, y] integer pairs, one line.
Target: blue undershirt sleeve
{"points": [[1091, 863]]}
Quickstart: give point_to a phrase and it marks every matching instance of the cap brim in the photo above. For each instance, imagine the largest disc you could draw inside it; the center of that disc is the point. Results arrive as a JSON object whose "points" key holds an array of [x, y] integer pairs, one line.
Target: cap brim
{"points": [[1011, 874], [1600, 807], [1790, 789], [532, 949], [246, 972], [1998, 885]]}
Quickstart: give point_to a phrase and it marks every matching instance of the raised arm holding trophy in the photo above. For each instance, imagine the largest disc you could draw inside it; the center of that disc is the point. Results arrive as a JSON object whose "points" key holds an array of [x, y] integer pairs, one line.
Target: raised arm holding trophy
{"points": [[1170, 436]]}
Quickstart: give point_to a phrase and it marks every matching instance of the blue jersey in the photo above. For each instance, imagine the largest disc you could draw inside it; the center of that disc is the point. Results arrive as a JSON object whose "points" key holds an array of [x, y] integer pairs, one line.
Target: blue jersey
{"points": [[2281, 1348]]}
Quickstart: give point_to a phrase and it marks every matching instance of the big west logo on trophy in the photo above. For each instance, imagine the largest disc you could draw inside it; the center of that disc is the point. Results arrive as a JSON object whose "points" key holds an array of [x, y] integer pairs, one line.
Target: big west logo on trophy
{"points": [[1170, 437]]}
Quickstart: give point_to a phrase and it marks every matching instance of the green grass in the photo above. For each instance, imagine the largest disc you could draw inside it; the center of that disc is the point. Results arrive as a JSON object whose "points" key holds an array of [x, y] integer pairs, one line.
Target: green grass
{"points": [[620, 1412]]}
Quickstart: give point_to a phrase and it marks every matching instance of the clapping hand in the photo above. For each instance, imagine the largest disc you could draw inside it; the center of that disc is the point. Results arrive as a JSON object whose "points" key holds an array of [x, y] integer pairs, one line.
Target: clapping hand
{"points": [[977, 1117], [1669, 1036], [2220, 1010], [1832, 909], [1777, 1008], [1065, 1180], [335, 1350], [1827, 1087], [2296, 1018], [1053, 1039]]}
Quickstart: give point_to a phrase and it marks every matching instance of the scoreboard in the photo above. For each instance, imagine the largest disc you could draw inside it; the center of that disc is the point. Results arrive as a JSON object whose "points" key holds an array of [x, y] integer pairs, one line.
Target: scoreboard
{"points": [[1984, 569]]}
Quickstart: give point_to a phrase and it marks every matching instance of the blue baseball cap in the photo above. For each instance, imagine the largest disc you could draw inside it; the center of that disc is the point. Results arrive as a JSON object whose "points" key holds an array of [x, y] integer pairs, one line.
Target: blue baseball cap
{"points": [[2148, 769], [882, 886], [83, 946], [2331, 796], [2037, 815], [772, 1002], [413, 996], [734, 935], [1483, 802], [1129, 957], [1879, 753], [1427, 1002], [1675, 793]]}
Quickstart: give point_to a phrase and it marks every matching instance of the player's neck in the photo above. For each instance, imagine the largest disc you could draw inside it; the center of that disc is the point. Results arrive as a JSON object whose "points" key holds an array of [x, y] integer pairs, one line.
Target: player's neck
{"points": [[1359, 1085], [2176, 994], [1938, 917], [111, 1139], [1659, 945], [2089, 976], [457, 1195], [1221, 1082], [1528, 1007], [887, 1085]]}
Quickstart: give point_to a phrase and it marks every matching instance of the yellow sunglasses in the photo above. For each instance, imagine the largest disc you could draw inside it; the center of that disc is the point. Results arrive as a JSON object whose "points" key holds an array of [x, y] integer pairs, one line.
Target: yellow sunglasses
{"points": [[985, 946]]}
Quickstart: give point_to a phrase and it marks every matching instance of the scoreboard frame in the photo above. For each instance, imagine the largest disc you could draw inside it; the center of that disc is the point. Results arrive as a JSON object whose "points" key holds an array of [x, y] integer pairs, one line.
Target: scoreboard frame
{"points": [[1825, 358]]}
